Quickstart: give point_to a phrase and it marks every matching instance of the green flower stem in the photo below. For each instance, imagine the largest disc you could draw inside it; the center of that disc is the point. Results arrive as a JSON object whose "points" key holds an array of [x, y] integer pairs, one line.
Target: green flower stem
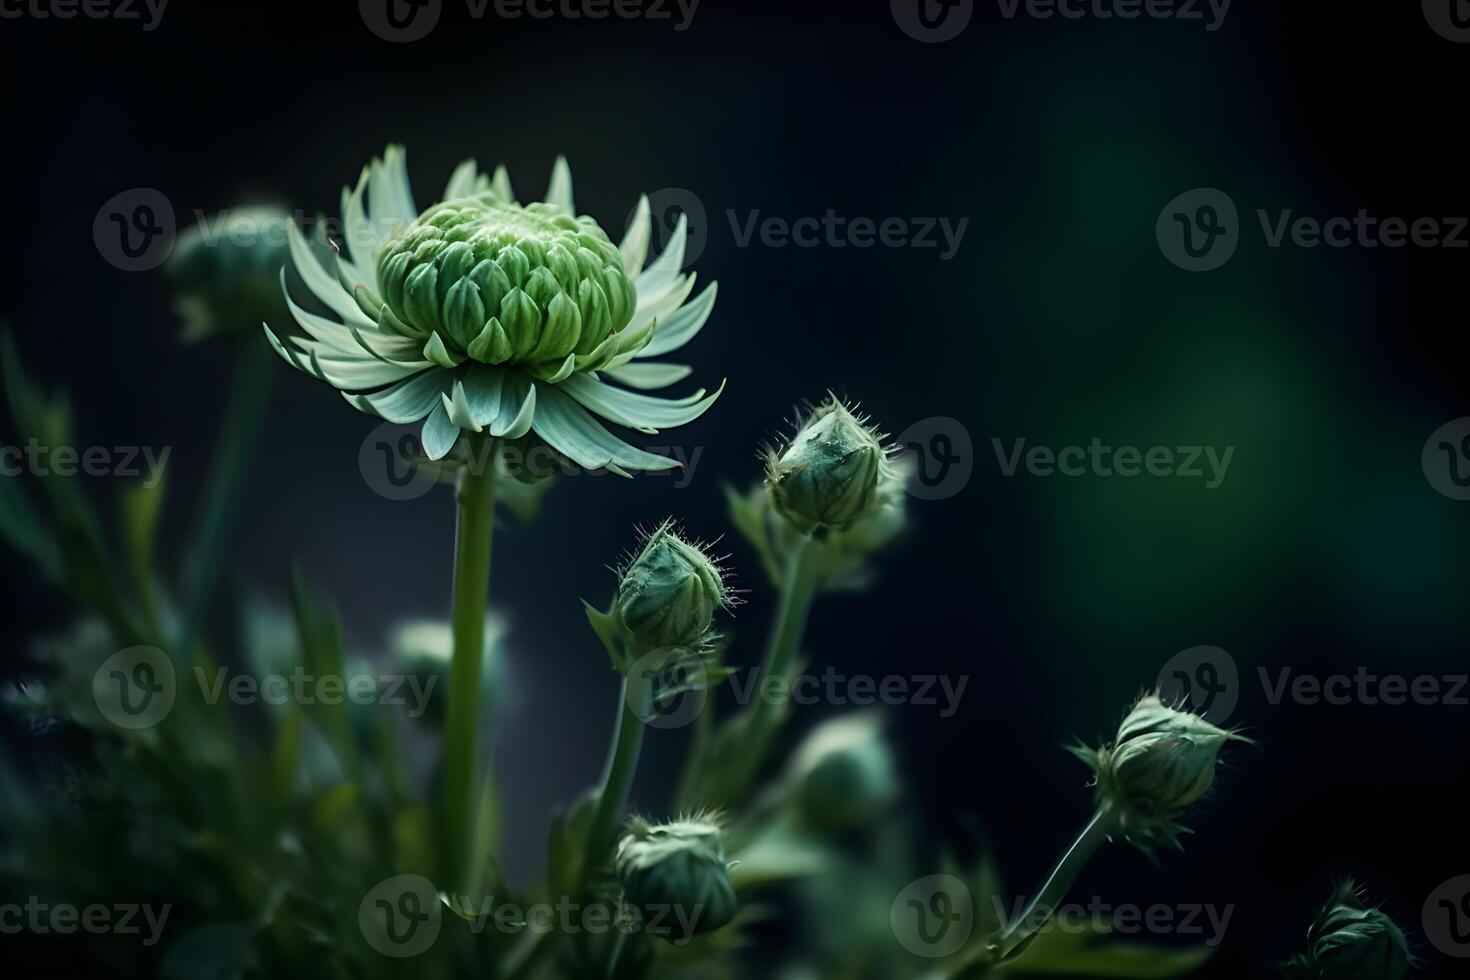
{"points": [[617, 776], [475, 497], [244, 413], [798, 589], [1044, 904]]}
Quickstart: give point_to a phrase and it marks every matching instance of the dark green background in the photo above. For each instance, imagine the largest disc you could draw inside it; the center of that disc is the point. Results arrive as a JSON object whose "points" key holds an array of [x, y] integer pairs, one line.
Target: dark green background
{"points": [[1058, 321]]}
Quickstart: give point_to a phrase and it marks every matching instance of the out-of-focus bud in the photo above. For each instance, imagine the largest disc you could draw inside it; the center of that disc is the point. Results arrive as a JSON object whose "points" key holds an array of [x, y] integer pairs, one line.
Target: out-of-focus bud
{"points": [[668, 594], [676, 873], [1351, 941], [425, 648], [227, 272], [1161, 763], [843, 774], [827, 477]]}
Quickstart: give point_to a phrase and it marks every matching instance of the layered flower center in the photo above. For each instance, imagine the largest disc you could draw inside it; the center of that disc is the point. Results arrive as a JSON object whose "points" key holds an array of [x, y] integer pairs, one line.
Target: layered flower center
{"points": [[506, 284]]}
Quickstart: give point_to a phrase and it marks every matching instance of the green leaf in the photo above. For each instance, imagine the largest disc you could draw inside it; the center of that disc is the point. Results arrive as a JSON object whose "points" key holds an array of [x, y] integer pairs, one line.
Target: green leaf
{"points": [[1089, 953], [321, 645], [141, 506], [566, 844], [22, 527], [210, 952]]}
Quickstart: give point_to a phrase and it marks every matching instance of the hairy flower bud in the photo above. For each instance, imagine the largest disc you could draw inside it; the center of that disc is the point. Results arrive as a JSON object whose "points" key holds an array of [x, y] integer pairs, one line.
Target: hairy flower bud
{"points": [[668, 594], [227, 272], [1161, 763], [677, 869], [828, 477], [842, 560], [1350, 941], [844, 774]]}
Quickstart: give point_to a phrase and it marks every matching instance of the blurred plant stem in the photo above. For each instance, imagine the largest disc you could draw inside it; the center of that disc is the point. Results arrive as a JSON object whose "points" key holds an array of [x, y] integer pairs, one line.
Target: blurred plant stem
{"points": [[1044, 904], [617, 775], [798, 588], [244, 413], [475, 497]]}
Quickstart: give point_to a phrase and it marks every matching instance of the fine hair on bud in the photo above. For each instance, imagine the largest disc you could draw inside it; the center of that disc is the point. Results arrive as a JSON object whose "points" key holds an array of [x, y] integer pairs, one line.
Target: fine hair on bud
{"points": [[828, 476], [679, 865], [1161, 762], [669, 592]]}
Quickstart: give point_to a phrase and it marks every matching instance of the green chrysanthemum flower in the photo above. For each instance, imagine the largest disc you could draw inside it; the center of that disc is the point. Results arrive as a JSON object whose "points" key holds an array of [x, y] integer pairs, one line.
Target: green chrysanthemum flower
{"points": [[1351, 941], [680, 866], [827, 478], [481, 314], [1161, 763], [226, 272]]}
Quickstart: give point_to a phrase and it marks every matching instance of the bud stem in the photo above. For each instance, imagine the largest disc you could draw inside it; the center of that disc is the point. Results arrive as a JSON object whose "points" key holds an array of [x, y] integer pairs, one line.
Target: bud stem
{"points": [[475, 496], [617, 775], [798, 588], [1044, 905]]}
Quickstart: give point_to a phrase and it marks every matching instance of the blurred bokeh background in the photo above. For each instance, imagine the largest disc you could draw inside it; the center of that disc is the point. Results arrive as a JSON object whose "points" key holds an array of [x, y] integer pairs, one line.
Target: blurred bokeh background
{"points": [[1058, 320]]}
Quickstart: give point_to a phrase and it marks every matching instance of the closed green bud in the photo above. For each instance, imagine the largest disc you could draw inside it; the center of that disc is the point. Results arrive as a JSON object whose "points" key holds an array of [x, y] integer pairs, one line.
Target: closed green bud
{"points": [[676, 874], [828, 477], [844, 774], [226, 273], [668, 594], [1350, 941], [842, 560], [1161, 763]]}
